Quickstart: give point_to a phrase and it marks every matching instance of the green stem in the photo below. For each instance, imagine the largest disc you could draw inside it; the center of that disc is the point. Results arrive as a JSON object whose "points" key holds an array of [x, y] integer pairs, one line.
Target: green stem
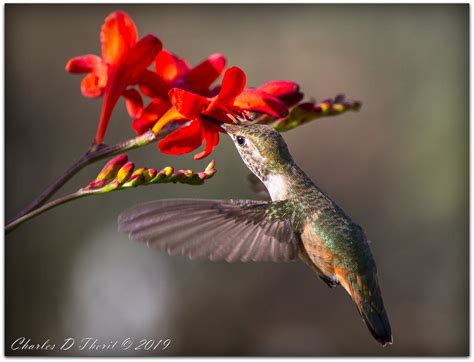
{"points": [[59, 201], [93, 154]]}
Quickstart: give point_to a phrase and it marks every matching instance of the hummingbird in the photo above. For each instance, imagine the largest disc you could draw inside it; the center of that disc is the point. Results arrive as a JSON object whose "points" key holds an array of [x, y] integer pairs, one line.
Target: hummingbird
{"points": [[301, 222]]}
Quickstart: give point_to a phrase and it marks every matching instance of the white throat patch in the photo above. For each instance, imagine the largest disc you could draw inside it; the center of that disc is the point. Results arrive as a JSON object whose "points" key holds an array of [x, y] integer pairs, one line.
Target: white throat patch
{"points": [[277, 186]]}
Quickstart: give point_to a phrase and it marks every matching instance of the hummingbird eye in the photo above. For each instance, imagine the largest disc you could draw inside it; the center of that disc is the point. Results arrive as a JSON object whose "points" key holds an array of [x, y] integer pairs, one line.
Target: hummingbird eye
{"points": [[240, 140]]}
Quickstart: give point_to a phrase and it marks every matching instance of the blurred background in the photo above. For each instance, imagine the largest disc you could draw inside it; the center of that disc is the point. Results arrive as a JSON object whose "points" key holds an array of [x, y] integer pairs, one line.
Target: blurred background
{"points": [[399, 168]]}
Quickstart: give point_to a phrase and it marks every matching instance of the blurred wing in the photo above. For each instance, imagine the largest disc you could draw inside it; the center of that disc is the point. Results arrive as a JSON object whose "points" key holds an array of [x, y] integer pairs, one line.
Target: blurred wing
{"points": [[230, 230], [258, 187]]}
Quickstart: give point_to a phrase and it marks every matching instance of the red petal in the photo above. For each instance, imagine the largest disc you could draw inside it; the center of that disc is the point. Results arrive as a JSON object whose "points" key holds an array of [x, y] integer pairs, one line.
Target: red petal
{"points": [[92, 86], [188, 104], [145, 123], [204, 74], [128, 72], [211, 135], [118, 35], [111, 96], [220, 114], [255, 100], [140, 56], [158, 106], [152, 85], [183, 140], [169, 67], [84, 64], [232, 85], [152, 113], [286, 91], [134, 103], [279, 88]]}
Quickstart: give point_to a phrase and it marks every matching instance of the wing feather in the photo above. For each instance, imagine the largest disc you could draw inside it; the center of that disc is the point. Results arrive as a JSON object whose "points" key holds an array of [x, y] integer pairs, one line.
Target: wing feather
{"points": [[230, 230]]}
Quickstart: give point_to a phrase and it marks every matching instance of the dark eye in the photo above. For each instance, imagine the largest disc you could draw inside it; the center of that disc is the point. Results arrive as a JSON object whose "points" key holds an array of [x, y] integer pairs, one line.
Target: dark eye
{"points": [[241, 140]]}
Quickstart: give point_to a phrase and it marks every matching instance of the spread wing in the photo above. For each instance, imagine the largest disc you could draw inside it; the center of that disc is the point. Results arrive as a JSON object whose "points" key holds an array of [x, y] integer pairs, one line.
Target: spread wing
{"points": [[230, 230]]}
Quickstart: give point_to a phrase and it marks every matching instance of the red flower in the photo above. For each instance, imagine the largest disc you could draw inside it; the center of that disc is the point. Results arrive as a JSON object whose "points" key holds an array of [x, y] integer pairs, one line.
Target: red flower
{"points": [[232, 98], [170, 72], [122, 64], [286, 91], [174, 72]]}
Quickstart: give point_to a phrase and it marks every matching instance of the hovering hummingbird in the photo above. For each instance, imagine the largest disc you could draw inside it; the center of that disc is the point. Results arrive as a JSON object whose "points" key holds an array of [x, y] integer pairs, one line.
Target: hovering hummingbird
{"points": [[300, 222]]}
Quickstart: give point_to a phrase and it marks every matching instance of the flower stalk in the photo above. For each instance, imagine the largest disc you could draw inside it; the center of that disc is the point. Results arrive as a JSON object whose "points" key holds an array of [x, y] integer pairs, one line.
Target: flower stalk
{"points": [[122, 178], [39, 210], [306, 112], [93, 154]]}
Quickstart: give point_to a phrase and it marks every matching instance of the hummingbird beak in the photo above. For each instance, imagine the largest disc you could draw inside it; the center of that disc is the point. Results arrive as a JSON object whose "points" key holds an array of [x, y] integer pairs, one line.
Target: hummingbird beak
{"points": [[213, 120], [225, 126], [216, 122]]}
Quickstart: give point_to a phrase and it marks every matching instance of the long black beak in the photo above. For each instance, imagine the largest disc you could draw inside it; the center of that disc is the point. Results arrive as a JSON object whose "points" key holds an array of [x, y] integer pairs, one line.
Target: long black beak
{"points": [[211, 119], [215, 121]]}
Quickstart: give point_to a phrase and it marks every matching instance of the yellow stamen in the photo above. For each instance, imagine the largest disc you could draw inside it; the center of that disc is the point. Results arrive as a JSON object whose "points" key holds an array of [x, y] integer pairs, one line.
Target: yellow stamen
{"points": [[171, 115]]}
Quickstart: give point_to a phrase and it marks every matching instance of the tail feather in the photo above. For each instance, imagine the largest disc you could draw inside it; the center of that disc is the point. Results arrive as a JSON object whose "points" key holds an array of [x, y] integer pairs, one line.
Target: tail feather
{"points": [[377, 322], [365, 292]]}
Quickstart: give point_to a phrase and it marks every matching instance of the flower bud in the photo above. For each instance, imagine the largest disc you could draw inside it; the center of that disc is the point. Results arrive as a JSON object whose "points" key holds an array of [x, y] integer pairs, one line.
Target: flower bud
{"points": [[150, 174], [339, 98], [135, 180], [125, 172], [210, 166], [181, 176], [164, 173], [338, 108], [288, 92], [111, 168], [322, 107], [139, 171], [95, 185]]}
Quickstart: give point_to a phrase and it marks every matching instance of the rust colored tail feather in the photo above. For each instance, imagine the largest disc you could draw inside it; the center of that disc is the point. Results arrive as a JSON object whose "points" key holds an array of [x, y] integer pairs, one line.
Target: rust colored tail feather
{"points": [[365, 293]]}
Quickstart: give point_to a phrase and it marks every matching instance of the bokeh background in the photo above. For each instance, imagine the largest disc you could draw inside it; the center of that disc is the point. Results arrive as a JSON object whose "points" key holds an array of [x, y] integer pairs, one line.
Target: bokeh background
{"points": [[399, 167]]}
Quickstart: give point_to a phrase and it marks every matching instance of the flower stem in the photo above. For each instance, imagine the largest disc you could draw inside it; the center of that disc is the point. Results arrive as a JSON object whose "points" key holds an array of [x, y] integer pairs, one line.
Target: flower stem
{"points": [[141, 176], [93, 154], [61, 200]]}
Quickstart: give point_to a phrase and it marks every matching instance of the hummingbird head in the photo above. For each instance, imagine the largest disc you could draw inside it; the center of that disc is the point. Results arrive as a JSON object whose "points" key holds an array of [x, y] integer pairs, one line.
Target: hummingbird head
{"points": [[263, 149]]}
